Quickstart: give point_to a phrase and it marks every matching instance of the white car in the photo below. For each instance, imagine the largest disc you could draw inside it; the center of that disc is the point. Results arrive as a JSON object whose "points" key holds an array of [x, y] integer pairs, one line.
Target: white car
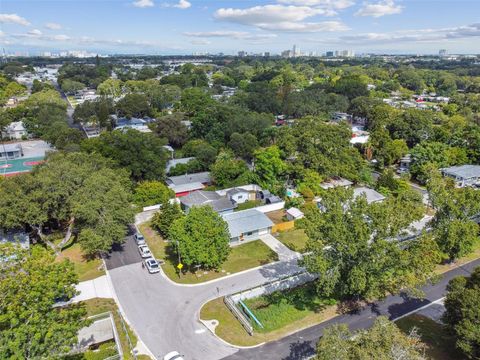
{"points": [[144, 251], [152, 266], [139, 239], [174, 355]]}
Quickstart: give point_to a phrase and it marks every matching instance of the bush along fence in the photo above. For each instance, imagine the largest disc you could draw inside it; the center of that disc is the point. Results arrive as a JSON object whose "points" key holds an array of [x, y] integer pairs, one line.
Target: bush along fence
{"points": [[244, 315]]}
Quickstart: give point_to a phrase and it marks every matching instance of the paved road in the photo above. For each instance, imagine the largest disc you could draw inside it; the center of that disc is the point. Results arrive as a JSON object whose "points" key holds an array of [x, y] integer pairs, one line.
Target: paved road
{"points": [[165, 315], [302, 344], [123, 254]]}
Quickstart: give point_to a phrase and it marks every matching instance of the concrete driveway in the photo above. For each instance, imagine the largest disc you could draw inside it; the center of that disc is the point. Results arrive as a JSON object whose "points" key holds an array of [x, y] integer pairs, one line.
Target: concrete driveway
{"points": [[165, 314]]}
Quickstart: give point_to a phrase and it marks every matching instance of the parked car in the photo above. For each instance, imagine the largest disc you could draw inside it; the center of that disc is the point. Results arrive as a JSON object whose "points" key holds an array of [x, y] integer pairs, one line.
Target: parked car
{"points": [[139, 239], [152, 265], [144, 251], [174, 355]]}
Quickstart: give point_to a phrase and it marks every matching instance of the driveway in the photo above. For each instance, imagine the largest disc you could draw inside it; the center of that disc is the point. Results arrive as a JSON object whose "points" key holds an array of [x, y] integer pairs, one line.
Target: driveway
{"points": [[165, 315]]}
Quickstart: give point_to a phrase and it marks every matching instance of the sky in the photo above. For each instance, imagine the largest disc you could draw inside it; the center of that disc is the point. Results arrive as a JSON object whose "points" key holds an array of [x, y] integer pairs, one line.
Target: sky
{"points": [[167, 27]]}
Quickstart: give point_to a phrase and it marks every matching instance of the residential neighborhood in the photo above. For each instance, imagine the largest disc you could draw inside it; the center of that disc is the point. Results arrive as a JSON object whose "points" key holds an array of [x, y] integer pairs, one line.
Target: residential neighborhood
{"points": [[273, 179]]}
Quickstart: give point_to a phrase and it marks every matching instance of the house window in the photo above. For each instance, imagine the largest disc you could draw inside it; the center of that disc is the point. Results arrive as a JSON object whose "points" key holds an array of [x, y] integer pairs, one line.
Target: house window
{"points": [[240, 197]]}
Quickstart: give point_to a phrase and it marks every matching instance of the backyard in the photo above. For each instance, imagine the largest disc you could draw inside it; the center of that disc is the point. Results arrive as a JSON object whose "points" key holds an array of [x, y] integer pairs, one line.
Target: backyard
{"points": [[295, 239], [86, 269], [242, 257]]}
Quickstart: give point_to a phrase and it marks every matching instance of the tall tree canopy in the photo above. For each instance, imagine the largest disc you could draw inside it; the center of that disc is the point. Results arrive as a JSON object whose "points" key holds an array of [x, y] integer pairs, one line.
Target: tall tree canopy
{"points": [[30, 284]]}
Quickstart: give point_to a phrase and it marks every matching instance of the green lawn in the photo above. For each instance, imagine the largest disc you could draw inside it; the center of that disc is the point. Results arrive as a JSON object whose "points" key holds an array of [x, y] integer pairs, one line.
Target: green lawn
{"points": [[103, 351], [440, 344], [281, 308], [87, 269], [295, 239], [242, 257], [98, 306]]}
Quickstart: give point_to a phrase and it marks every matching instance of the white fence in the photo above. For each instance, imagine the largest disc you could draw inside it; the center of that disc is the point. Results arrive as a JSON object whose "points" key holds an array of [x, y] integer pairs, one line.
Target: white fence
{"points": [[271, 207], [279, 285]]}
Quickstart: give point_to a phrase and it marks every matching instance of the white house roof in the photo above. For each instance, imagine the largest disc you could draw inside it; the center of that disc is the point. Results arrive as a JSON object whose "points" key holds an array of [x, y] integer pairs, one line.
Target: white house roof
{"points": [[371, 195], [335, 182], [463, 171], [245, 221], [296, 213], [15, 126]]}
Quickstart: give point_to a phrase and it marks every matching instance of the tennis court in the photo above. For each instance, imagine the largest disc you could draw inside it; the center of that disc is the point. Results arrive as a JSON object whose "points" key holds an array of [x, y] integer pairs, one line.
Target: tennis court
{"points": [[17, 166]]}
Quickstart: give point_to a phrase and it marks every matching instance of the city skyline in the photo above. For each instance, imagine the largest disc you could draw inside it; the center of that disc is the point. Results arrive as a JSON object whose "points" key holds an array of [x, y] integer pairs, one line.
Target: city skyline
{"points": [[193, 26]]}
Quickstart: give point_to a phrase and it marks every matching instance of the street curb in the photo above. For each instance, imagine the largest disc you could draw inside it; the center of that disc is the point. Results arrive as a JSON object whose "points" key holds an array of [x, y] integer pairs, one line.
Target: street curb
{"points": [[122, 312]]}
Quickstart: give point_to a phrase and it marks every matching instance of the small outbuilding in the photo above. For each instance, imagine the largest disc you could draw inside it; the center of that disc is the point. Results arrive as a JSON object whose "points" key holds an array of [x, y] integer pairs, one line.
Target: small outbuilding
{"points": [[294, 214]]}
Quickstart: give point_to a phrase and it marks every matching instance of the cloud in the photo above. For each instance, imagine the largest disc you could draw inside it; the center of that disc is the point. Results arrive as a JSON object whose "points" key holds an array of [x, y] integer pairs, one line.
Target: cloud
{"points": [[408, 36], [13, 19], [143, 3], [382, 8], [280, 17], [332, 4], [239, 35], [183, 4], [53, 26], [34, 33], [200, 42]]}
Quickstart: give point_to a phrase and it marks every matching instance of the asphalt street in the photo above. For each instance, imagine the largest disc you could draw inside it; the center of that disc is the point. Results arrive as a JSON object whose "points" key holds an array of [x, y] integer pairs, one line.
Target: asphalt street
{"points": [[302, 344], [165, 315]]}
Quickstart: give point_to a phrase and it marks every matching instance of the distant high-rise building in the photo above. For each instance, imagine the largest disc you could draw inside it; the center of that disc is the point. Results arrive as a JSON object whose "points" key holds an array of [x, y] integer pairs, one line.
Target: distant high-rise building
{"points": [[242, 53], [442, 52], [329, 54], [287, 54], [296, 51], [266, 54], [344, 53]]}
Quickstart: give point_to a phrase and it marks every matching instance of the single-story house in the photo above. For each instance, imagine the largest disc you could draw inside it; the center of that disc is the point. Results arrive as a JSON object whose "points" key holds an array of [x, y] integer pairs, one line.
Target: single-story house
{"points": [[371, 195], [238, 195], [220, 204], [10, 151], [247, 225], [133, 123], [294, 214], [16, 130], [336, 182], [184, 184], [185, 189], [464, 175]]}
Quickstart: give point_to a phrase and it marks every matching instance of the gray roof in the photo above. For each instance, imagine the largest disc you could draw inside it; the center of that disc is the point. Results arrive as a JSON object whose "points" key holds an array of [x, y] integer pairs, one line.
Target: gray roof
{"points": [[371, 195], [245, 221], [210, 198], [10, 147], [335, 182], [186, 187], [236, 191], [203, 177], [463, 171]]}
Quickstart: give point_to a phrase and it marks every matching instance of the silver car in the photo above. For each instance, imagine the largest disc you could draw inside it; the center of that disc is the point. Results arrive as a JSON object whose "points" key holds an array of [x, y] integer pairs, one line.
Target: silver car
{"points": [[144, 251], [139, 239], [152, 266]]}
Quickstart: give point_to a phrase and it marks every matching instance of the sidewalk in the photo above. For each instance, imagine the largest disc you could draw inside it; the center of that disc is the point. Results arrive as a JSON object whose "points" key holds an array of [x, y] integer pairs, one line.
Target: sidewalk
{"points": [[284, 253], [96, 288]]}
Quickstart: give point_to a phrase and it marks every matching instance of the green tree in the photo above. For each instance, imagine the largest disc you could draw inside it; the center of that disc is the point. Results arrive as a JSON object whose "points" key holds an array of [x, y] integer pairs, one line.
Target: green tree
{"points": [[226, 170], [163, 220], [243, 145], [133, 105], [110, 87], [201, 238], [71, 86], [172, 128], [351, 247], [269, 167], [142, 154], [454, 230], [30, 284], [462, 315], [384, 340], [149, 193]]}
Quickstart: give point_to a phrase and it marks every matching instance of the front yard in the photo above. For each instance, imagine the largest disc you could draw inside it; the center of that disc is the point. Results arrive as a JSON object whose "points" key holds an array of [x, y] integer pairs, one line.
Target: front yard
{"points": [[440, 344], [280, 313], [295, 239], [87, 269], [242, 257]]}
